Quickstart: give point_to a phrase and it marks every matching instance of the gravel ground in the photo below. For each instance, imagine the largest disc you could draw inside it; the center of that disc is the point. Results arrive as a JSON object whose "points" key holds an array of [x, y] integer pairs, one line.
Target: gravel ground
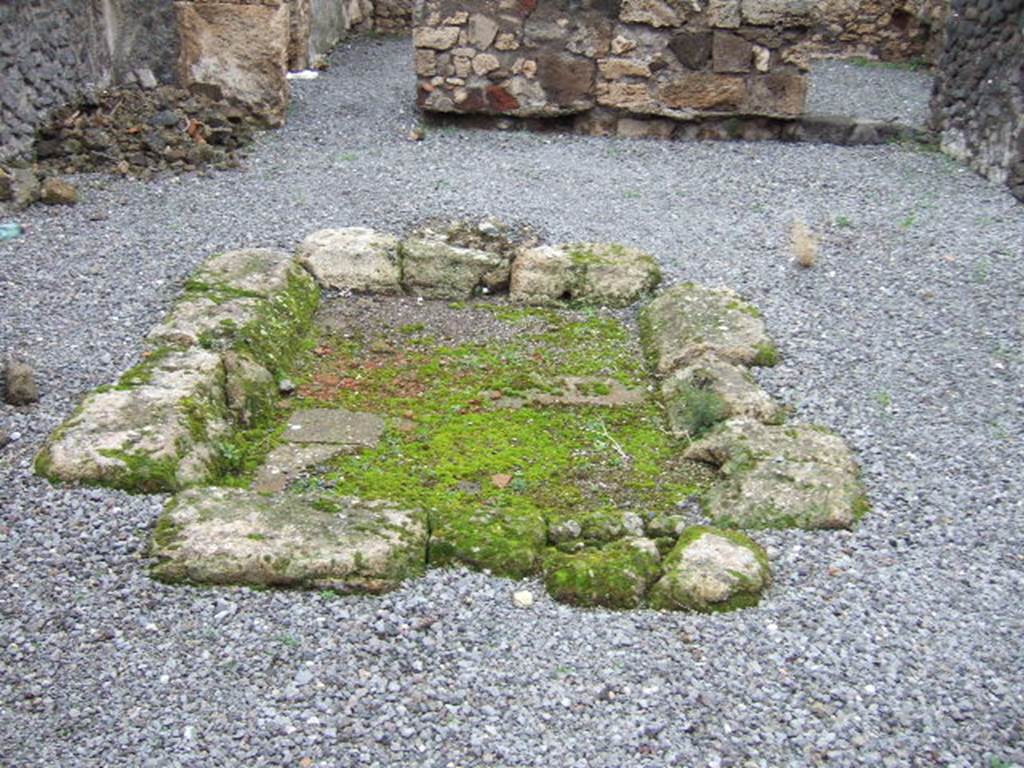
{"points": [[871, 92], [896, 645]]}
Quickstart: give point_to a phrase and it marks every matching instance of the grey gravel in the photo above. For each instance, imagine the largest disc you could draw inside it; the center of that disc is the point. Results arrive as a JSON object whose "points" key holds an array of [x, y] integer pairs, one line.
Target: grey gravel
{"points": [[898, 644], [870, 91]]}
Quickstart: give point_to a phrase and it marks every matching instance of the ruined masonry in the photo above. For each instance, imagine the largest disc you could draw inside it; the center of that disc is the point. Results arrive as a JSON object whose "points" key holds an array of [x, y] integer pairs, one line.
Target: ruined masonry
{"points": [[213, 368], [613, 62]]}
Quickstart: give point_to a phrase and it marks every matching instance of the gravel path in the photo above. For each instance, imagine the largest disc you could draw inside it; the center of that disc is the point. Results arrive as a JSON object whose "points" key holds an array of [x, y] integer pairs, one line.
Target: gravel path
{"points": [[896, 645], [870, 91]]}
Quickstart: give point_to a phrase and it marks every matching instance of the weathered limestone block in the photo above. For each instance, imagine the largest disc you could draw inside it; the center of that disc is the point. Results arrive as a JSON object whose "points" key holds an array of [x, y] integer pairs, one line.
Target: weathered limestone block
{"points": [[629, 96], [300, 28], [778, 12], [703, 91], [260, 272], [434, 269], [616, 575], [777, 93], [591, 273], [712, 570], [200, 319], [230, 536], [618, 68], [710, 390], [688, 321], [724, 14], [250, 390], [153, 432], [780, 477], [257, 300], [656, 13], [238, 51], [437, 38], [354, 259]]}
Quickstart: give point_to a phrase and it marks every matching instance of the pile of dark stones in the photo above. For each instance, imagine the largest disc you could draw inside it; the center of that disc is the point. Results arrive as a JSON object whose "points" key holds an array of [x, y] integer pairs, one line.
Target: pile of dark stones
{"points": [[140, 132]]}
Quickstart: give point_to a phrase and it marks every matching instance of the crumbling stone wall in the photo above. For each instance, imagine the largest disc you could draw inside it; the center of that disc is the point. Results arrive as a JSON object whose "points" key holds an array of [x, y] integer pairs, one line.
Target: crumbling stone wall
{"points": [[53, 50], [391, 17], [681, 59], [978, 101]]}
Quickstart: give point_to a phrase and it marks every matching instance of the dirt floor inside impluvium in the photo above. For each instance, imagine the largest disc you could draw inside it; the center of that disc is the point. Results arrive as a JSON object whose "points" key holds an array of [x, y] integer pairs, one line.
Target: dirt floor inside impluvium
{"points": [[525, 434]]}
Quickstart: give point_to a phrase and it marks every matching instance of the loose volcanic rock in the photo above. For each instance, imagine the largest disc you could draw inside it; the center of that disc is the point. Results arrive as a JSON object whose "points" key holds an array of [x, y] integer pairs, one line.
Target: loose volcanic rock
{"points": [[58, 192], [20, 386], [231, 536]]}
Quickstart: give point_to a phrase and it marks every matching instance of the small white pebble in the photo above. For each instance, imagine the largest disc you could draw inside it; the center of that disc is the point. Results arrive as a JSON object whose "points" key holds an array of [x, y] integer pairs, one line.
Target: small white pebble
{"points": [[523, 598]]}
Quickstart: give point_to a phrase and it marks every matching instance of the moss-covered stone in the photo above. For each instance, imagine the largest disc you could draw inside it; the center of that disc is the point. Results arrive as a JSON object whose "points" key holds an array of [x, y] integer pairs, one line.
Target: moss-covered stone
{"points": [[712, 570], [616, 575], [794, 476], [601, 274], [688, 321], [230, 536]]}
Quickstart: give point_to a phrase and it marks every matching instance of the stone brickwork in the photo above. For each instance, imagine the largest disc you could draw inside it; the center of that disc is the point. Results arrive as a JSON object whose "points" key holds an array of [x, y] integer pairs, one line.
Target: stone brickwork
{"points": [[978, 100], [392, 17], [53, 50], [678, 59]]}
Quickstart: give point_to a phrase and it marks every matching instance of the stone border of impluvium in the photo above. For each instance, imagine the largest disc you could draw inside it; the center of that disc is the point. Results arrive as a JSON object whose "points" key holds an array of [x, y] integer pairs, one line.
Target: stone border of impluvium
{"points": [[212, 367]]}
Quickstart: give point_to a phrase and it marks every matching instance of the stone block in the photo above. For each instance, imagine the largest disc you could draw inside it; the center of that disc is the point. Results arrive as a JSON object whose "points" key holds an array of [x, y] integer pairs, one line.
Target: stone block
{"points": [[777, 93], [618, 68], [437, 38], [692, 49], [703, 91], [231, 536], [239, 52], [354, 259], [567, 79], [731, 53]]}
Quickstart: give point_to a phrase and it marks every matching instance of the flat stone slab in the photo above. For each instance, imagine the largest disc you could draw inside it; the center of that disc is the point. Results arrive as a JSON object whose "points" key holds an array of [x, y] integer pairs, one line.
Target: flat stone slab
{"points": [[143, 435], [334, 426], [605, 274], [688, 321], [592, 391], [435, 269], [231, 536], [286, 462], [353, 258], [780, 477], [200, 320], [260, 272], [712, 570]]}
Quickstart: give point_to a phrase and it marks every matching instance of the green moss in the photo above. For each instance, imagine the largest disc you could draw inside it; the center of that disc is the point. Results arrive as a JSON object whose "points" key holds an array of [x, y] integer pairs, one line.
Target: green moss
{"points": [[142, 373], [767, 355], [694, 410], [614, 576], [274, 338], [166, 532], [552, 462], [143, 474]]}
